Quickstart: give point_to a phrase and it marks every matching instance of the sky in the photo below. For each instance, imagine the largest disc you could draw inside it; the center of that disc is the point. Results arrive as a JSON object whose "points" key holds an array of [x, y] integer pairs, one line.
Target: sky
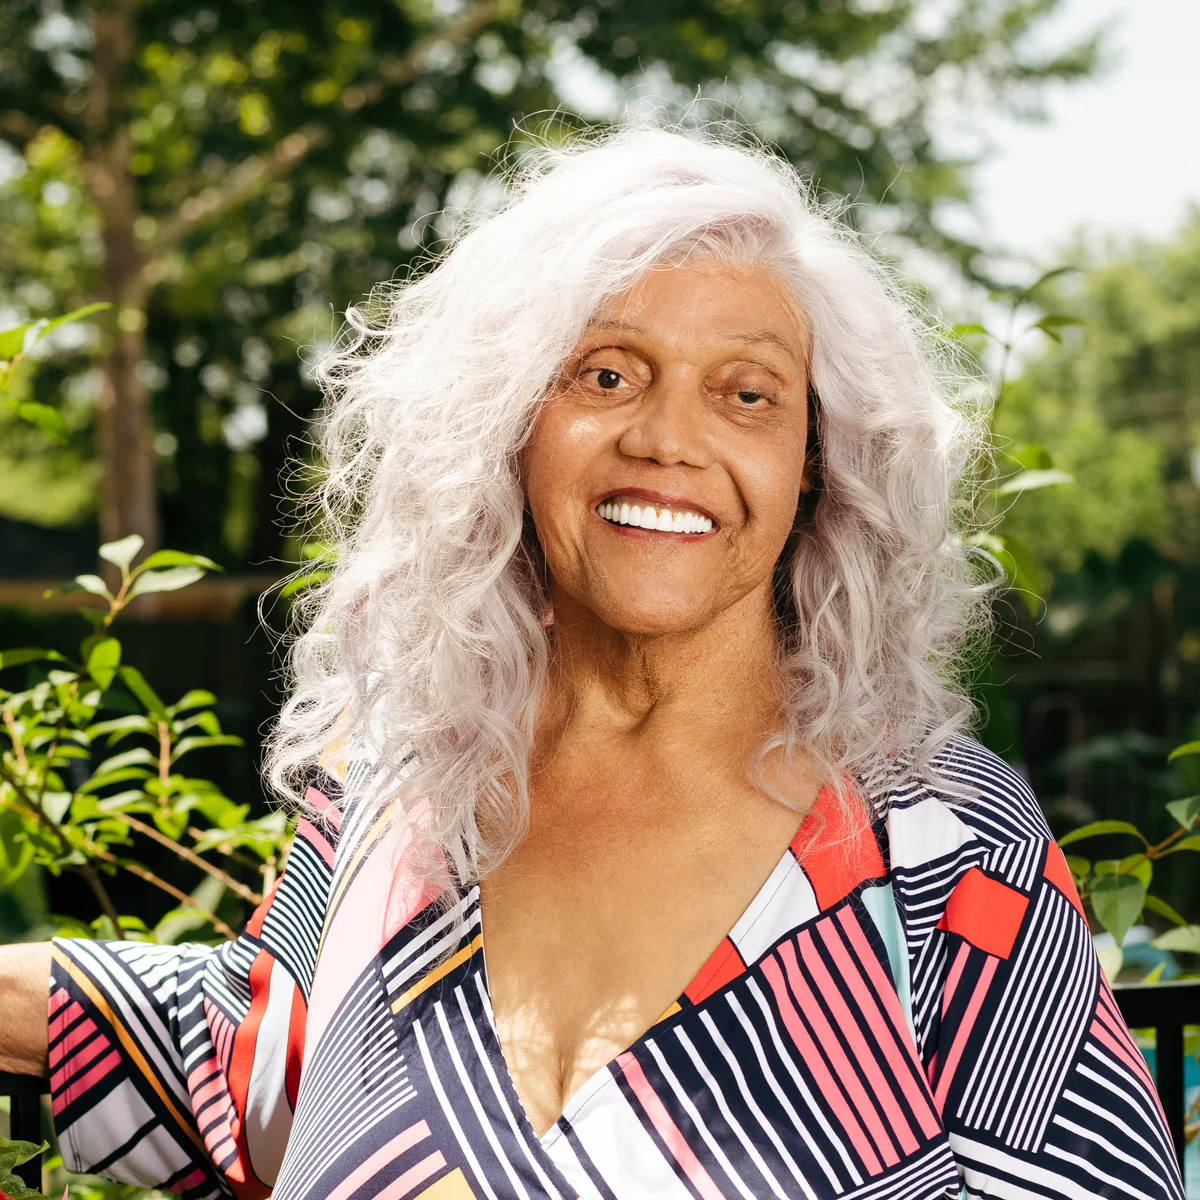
{"points": [[1119, 153]]}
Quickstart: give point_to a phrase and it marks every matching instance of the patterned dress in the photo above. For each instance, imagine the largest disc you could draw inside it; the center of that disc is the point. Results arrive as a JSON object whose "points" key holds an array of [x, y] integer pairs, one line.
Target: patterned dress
{"points": [[911, 1009]]}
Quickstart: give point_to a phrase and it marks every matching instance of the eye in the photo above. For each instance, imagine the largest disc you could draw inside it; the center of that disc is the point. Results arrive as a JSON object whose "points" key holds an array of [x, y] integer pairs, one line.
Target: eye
{"points": [[608, 379], [749, 397]]}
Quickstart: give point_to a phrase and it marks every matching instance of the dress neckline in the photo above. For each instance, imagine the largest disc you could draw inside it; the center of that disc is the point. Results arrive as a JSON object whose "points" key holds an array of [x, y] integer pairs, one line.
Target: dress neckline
{"points": [[707, 980]]}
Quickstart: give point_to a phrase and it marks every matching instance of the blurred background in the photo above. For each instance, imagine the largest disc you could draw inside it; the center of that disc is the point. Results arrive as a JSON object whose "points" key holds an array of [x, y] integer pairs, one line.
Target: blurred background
{"points": [[230, 175]]}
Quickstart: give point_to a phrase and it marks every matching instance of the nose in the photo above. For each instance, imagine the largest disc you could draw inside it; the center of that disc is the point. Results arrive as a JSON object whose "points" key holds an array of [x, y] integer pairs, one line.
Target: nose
{"points": [[667, 426]]}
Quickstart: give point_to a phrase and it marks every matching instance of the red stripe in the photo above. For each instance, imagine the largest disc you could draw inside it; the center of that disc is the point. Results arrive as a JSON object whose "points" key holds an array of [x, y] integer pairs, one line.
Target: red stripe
{"points": [[77, 1062], [684, 1155], [964, 1032], [827, 1085], [81, 1084], [892, 1036], [827, 1039]]}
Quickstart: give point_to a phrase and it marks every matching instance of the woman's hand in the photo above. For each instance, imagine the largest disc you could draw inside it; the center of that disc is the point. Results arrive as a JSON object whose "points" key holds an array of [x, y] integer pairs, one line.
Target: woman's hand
{"points": [[24, 988]]}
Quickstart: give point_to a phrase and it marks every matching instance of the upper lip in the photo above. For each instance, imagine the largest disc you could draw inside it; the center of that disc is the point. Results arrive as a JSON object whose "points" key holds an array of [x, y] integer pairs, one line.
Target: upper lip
{"points": [[671, 502]]}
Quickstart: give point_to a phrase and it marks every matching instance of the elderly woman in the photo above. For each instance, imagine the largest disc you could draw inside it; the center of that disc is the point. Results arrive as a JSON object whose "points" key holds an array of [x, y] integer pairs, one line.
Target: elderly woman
{"points": [[649, 860]]}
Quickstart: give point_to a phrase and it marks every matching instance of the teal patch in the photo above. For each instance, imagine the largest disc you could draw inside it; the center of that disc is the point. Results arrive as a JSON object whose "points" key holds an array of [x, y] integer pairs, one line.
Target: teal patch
{"points": [[880, 903]]}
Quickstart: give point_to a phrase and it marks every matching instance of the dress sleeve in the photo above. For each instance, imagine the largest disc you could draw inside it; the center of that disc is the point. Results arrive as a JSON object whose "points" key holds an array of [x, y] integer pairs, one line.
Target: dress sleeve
{"points": [[1042, 1090], [177, 1066]]}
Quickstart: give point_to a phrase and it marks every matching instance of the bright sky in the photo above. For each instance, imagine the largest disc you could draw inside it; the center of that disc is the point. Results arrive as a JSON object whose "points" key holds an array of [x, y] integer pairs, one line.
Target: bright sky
{"points": [[1120, 153]]}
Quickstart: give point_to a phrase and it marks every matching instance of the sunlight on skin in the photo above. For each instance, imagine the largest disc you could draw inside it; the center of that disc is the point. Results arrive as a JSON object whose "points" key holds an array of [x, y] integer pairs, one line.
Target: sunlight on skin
{"points": [[647, 839]]}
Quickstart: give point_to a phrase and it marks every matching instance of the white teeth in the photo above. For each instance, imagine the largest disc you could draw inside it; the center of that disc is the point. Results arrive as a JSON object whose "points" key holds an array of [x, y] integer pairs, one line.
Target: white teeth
{"points": [[664, 519]]}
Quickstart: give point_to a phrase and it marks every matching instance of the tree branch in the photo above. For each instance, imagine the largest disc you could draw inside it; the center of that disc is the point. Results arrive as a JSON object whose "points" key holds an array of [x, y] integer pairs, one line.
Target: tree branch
{"points": [[136, 868], [191, 856], [250, 175]]}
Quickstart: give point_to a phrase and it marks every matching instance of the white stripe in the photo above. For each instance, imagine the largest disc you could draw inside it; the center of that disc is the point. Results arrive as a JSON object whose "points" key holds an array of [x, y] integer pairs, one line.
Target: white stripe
{"points": [[484, 1123], [448, 1109]]}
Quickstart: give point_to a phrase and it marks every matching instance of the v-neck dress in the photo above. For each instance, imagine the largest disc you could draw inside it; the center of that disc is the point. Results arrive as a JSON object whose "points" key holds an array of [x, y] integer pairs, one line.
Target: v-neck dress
{"points": [[909, 1009]]}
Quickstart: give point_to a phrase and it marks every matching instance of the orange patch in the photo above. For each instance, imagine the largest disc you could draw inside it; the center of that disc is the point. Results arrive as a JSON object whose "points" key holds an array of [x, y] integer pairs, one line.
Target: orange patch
{"points": [[724, 965], [985, 912], [1058, 873], [845, 855]]}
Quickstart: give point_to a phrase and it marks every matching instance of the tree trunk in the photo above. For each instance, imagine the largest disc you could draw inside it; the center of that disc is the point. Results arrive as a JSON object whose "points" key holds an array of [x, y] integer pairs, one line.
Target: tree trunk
{"points": [[124, 428]]}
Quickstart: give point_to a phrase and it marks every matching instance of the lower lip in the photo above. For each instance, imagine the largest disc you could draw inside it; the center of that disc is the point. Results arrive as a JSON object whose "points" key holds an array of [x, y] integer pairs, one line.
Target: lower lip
{"points": [[637, 533]]}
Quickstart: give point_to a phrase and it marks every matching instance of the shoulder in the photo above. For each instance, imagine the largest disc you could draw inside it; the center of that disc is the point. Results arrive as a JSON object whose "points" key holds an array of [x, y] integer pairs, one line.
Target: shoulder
{"points": [[965, 788]]}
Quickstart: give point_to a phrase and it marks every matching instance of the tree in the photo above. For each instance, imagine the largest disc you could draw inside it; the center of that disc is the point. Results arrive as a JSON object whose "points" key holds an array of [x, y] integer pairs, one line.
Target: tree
{"points": [[203, 167]]}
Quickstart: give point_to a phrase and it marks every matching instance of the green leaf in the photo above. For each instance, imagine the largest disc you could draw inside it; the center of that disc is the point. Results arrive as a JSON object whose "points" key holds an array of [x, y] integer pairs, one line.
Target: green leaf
{"points": [[1186, 939], [92, 584], [103, 661], [121, 553], [187, 744], [1028, 481], [1154, 904], [120, 727], [1185, 811], [195, 698], [170, 580], [1188, 843], [138, 757], [1040, 281], [971, 329], [1186, 748], [77, 315], [1097, 828], [42, 416], [135, 681], [1079, 867], [1030, 458], [1021, 568], [1117, 901], [12, 341], [1052, 325], [17, 658], [1136, 865], [177, 558], [301, 583], [1111, 958]]}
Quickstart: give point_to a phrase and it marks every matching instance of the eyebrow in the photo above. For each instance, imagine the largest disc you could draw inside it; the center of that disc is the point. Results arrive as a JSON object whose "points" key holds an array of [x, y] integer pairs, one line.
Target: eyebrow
{"points": [[763, 337]]}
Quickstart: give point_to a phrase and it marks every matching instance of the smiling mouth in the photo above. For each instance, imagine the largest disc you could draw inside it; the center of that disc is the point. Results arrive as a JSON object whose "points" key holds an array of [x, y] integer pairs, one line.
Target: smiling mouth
{"points": [[641, 514]]}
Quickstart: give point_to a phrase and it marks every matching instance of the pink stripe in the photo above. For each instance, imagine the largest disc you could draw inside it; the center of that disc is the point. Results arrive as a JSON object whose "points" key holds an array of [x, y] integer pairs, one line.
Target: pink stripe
{"points": [[74, 1039], [77, 1062], [841, 1064], [80, 1085], [57, 999], [208, 1091], [385, 1154], [897, 1048], [1121, 1043], [71, 1013], [831, 1093], [312, 835], [324, 806], [188, 1181], [848, 1023], [964, 1032], [413, 1176], [693, 1168], [952, 980]]}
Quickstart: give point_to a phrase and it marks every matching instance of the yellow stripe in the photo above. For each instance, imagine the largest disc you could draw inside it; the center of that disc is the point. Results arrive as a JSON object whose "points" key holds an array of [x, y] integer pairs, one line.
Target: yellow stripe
{"points": [[406, 998], [131, 1047], [670, 1011]]}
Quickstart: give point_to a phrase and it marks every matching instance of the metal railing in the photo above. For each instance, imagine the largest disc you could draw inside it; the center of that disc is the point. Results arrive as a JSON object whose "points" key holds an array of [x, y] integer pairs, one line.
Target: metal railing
{"points": [[1164, 1007], [25, 1094]]}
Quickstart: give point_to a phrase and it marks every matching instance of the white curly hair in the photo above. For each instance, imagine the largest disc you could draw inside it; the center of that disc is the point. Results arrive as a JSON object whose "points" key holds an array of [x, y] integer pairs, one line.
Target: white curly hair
{"points": [[426, 645]]}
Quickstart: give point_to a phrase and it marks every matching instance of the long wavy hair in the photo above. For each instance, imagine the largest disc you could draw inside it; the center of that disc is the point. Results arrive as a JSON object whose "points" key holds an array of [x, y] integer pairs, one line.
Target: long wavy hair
{"points": [[426, 647]]}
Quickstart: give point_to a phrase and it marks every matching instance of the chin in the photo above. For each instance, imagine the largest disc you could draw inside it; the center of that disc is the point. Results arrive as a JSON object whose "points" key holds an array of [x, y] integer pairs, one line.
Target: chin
{"points": [[653, 619]]}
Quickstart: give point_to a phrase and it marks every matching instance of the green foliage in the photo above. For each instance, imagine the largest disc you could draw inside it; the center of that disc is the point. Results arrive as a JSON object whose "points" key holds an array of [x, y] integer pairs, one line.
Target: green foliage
{"points": [[1117, 890], [285, 157], [92, 761], [14, 1154]]}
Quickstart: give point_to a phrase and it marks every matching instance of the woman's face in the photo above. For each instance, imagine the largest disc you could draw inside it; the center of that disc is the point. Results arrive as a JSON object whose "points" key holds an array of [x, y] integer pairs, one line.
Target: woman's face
{"points": [[663, 477]]}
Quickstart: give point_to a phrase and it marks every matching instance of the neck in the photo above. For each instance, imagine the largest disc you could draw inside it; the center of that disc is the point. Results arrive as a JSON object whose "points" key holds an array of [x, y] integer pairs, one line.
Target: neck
{"points": [[713, 688]]}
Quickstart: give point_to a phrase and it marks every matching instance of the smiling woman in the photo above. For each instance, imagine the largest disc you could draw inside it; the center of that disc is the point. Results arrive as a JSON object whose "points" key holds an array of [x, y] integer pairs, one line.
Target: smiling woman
{"points": [[642, 855]]}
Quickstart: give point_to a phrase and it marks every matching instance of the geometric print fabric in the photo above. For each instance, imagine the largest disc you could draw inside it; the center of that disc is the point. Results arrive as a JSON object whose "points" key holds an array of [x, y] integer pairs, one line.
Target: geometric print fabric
{"points": [[909, 1009]]}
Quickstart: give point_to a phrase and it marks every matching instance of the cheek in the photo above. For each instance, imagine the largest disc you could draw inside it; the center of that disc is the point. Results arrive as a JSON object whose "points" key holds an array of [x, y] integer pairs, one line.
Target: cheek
{"points": [[558, 460]]}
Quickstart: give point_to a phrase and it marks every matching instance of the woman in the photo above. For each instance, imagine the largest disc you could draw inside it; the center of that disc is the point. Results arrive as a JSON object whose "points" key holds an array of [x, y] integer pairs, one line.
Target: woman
{"points": [[640, 657]]}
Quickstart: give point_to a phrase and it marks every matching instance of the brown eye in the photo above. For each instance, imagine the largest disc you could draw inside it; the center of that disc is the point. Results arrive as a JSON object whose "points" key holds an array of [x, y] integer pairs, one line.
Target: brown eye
{"points": [[608, 379]]}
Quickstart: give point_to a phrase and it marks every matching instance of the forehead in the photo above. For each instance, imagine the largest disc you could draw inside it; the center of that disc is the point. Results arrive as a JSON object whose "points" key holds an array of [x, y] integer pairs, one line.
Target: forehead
{"points": [[709, 303]]}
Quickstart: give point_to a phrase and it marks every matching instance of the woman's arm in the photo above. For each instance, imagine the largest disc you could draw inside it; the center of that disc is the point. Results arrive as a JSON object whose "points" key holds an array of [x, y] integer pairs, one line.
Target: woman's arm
{"points": [[24, 987]]}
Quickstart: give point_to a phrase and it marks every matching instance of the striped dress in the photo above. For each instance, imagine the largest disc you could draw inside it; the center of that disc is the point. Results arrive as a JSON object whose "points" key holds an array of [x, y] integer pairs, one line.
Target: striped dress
{"points": [[914, 1013]]}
